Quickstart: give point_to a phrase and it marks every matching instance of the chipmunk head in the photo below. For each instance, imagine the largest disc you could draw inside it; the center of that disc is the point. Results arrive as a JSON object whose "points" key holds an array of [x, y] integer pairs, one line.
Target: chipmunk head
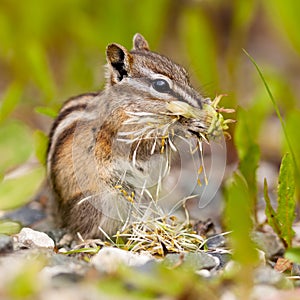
{"points": [[166, 79]]}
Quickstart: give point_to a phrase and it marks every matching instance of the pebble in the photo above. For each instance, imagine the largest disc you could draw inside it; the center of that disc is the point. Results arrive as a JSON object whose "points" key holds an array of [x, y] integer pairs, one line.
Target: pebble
{"points": [[68, 274], [204, 273], [216, 241], [28, 238], [296, 269], [268, 276], [269, 243], [60, 275], [25, 215], [193, 261], [6, 244], [223, 256], [109, 259]]}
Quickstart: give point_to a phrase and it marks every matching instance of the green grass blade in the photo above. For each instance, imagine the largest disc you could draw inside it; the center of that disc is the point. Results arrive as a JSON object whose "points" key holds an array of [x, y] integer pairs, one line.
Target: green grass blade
{"points": [[276, 110]]}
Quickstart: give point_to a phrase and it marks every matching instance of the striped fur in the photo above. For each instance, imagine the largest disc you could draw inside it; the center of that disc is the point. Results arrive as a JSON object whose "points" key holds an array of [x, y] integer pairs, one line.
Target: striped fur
{"points": [[89, 168]]}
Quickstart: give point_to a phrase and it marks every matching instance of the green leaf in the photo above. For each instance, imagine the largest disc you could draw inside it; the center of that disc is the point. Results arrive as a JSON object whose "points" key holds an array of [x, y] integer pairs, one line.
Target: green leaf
{"points": [[16, 192], [270, 212], [239, 220], [286, 199], [10, 100], [292, 127], [293, 254], [9, 227], [41, 144]]}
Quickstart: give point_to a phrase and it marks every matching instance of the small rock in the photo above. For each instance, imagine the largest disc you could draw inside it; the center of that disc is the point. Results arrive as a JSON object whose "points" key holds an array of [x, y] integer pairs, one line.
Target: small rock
{"points": [[223, 256], [60, 275], [269, 243], [60, 237], [194, 261], [204, 273], [6, 244], [26, 215], [216, 241], [296, 269], [148, 268], [232, 267], [29, 238], [68, 269], [108, 259], [268, 276], [62, 279]]}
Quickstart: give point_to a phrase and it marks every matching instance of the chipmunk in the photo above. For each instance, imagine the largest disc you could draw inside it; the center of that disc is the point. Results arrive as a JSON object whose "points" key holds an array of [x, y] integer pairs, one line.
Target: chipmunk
{"points": [[104, 146]]}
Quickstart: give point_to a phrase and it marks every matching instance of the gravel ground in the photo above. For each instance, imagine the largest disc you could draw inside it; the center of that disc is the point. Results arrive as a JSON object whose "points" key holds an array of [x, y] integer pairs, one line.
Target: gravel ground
{"points": [[33, 267]]}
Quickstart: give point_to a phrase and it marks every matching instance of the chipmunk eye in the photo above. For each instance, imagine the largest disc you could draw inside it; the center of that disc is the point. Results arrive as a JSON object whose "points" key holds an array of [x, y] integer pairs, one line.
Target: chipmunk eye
{"points": [[161, 85]]}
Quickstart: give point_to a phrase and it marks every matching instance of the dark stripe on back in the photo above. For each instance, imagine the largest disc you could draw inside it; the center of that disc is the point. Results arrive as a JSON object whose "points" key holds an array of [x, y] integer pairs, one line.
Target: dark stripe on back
{"points": [[60, 142], [60, 118], [65, 113]]}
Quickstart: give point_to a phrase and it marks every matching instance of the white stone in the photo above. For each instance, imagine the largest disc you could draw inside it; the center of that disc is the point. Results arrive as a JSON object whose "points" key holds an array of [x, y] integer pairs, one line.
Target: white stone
{"points": [[108, 259], [31, 238], [204, 273]]}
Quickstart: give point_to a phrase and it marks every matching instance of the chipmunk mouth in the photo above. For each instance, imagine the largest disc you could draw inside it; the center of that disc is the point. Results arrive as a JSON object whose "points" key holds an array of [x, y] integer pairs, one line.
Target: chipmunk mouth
{"points": [[206, 123], [176, 119], [195, 133], [193, 125]]}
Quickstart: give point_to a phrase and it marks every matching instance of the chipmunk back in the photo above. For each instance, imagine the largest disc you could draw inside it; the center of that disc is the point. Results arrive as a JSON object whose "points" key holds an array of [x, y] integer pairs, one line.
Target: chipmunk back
{"points": [[105, 147]]}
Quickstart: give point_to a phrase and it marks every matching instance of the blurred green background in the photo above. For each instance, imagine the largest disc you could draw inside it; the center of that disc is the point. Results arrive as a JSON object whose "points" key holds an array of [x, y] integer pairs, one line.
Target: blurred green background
{"points": [[52, 50]]}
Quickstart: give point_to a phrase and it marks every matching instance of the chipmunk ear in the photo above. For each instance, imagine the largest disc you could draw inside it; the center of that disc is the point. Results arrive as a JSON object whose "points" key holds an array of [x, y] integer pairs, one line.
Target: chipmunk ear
{"points": [[139, 43], [119, 61]]}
